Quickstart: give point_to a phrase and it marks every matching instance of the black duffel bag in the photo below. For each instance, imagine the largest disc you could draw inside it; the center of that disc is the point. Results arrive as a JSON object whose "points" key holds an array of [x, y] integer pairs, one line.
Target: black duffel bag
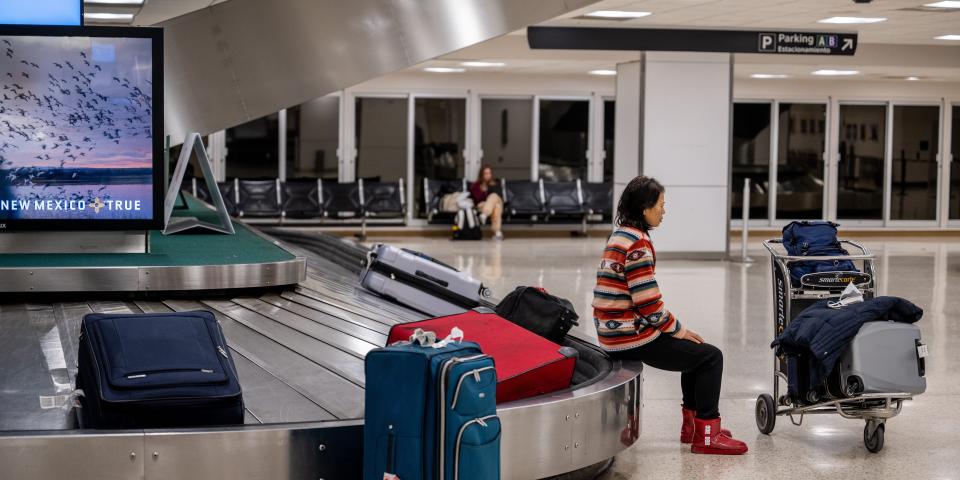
{"points": [[536, 310]]}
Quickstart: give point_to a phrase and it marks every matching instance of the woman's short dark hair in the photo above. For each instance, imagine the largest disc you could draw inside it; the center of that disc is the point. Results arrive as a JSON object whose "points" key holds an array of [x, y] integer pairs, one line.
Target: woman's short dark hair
{"points": [[641, 193]]}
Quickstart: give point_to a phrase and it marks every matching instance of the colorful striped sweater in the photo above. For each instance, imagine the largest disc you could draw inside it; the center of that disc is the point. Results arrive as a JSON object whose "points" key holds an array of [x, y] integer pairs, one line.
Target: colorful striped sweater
{"points": [[627, 307]]}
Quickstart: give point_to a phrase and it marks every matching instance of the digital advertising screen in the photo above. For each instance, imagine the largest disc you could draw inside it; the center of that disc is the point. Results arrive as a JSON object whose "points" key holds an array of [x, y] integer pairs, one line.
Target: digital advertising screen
{"points": [[79, 127]]}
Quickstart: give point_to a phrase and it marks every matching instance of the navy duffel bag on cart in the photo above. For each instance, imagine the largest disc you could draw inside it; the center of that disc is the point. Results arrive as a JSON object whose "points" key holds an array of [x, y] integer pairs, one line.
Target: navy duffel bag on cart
{"points": [[814, 239], [156, 370]]}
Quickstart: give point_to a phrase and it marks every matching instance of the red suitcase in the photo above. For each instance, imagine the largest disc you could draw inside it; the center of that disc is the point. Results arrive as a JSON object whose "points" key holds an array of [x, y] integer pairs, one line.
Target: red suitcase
{"points": [[527, 364]]}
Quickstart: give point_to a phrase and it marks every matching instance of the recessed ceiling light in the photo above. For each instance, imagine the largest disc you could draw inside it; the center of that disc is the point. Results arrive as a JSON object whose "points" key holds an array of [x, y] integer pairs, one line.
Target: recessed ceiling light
{"points": [[836, 72], [768, 75], [913, 79], [602, 72], [947, 37], [851, 20], [131, 3], [116, 17], [444, 69], [483, 64], [617, 14], [944, 4]]}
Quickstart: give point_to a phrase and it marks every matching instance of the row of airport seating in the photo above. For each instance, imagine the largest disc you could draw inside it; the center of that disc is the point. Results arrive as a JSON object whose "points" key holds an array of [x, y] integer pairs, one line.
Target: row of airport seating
{"points": [[531, 201], [308, 199], [312, 200]]}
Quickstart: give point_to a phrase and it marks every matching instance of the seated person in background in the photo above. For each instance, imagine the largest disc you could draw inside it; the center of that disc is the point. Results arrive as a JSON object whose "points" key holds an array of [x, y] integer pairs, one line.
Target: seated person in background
{"points": [[488, 203]]}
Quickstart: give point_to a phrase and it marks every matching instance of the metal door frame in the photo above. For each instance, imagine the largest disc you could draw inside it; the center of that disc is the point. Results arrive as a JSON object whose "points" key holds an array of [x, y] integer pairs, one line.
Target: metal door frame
{"points": [[776, 221], [411, 131], [535, 145]]}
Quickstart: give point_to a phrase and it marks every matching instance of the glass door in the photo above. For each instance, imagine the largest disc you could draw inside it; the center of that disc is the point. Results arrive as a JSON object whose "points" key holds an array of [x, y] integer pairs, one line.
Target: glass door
{"points": [[439, 143], [801, 142], [861, 166], [564, 126], [914, 172]]}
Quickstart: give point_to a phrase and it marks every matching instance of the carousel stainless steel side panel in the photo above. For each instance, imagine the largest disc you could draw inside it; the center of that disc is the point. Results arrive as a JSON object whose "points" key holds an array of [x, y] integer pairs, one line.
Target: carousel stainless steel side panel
{"points": [[331, 450], [73, 456], [555, 434]]}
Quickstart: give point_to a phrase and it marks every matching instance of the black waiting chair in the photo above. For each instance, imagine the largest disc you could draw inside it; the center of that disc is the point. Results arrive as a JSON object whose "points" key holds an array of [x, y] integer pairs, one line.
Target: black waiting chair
{"points": [[301, 198], [383, 199], [433, 193], [342, 200], [259, 198], [523, 200], [598, 199], [229, 190], [564, 201]]}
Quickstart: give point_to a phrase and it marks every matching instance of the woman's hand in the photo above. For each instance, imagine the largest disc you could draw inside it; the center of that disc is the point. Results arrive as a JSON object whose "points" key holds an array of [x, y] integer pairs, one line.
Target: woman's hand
{"points": [[692, 336]]}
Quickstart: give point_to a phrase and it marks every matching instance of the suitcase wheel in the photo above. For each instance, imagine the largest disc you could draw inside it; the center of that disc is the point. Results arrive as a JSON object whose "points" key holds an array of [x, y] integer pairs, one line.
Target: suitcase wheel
{"points": [[873, 436], [766, 413]]}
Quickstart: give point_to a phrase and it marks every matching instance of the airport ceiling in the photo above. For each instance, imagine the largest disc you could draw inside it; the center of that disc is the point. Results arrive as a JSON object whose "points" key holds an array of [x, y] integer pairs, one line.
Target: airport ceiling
{"points": [[901, 46]]}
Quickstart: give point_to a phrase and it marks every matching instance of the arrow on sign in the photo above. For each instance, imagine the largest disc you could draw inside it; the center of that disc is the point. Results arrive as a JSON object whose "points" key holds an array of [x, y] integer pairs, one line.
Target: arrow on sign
{"points": [[847, 44]]}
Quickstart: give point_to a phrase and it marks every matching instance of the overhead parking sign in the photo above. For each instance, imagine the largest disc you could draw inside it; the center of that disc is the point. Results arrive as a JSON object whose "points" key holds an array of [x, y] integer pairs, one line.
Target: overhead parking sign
{"points": [[682, 40], [807, 43]]}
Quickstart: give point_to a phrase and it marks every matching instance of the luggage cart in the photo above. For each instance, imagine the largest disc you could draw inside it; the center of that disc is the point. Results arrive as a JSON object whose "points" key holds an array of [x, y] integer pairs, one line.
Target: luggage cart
{"points": [[789, 300]]}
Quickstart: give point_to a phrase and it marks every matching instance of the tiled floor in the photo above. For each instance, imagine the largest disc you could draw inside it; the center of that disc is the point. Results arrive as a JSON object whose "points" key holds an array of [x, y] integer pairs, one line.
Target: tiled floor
{"points": [[730, 305]]}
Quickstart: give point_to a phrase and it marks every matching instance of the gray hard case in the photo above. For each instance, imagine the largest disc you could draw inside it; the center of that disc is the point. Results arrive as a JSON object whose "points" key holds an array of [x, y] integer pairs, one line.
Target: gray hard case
{"points": [[420, 282], [883, 358]]}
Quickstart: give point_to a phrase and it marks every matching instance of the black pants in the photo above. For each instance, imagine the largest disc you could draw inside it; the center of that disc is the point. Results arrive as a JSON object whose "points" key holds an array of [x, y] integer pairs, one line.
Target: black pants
{"points": [[700, 364]]}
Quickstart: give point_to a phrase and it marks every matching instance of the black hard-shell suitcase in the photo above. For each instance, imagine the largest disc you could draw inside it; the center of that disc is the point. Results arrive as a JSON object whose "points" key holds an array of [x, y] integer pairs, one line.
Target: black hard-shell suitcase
{"points": [[156, 370]]}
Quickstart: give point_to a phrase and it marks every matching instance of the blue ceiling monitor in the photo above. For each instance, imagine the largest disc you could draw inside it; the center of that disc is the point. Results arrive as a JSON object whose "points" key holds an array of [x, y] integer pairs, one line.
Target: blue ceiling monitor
{"points": [[41, 12]]}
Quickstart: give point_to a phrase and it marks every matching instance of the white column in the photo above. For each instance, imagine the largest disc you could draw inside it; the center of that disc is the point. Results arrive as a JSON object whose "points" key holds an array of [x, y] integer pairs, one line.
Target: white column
{"points": [[628, 133], [347, 153], [282, 144], [217, 153], [687, 109], [474, 156]]}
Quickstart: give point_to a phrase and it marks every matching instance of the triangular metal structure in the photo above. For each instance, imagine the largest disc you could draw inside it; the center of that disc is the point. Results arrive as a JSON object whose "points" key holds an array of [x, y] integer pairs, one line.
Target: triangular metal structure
{"points": [[178, 224]]}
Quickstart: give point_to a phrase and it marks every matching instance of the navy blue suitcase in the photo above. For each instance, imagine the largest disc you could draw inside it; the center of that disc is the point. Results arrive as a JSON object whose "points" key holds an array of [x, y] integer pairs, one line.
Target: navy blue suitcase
{"points": [[431, 410], [156, 370]]}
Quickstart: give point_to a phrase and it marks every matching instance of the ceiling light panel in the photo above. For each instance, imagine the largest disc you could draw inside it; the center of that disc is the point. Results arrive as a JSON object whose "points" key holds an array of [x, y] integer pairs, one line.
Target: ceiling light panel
{"points": [[852, 20], [483, 64], [602, 72], [944, 4], [444, 70], [121, 3], [948, 37], [836, 73], [108, 17], [768, 75], [617, 14]]}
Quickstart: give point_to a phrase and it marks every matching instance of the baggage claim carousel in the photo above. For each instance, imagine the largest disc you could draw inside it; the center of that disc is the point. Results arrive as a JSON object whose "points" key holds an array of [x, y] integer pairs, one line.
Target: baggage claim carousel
{"points": [[299, 326]]}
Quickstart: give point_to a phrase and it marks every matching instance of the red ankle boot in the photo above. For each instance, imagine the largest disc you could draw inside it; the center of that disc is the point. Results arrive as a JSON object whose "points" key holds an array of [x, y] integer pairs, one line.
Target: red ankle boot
{"points": [[687, 429], [709, 438]]}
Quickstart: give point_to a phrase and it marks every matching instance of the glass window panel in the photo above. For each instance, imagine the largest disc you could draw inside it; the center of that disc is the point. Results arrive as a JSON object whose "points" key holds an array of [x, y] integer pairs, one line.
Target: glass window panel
{"points": [[313, 136], [564, 126], [440, 130], [914, 169], [252, 148], [860, 176], [800, 162], [609, 127], [506, 136], [381, 138], [751, 157], [955, 164]]}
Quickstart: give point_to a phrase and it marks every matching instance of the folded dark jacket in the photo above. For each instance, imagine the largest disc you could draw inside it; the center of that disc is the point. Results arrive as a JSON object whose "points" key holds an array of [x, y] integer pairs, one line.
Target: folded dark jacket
{"points": [[825, 332]]}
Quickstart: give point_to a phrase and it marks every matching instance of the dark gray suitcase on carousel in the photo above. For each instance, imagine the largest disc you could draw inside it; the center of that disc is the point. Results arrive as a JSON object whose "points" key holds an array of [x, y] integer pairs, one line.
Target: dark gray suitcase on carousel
{"points": [[884, 357], [419, 281]]}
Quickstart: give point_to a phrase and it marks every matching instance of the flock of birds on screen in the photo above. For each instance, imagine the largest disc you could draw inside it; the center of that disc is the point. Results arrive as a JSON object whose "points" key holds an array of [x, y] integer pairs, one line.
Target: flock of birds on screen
{"points": [[67, 121]]}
